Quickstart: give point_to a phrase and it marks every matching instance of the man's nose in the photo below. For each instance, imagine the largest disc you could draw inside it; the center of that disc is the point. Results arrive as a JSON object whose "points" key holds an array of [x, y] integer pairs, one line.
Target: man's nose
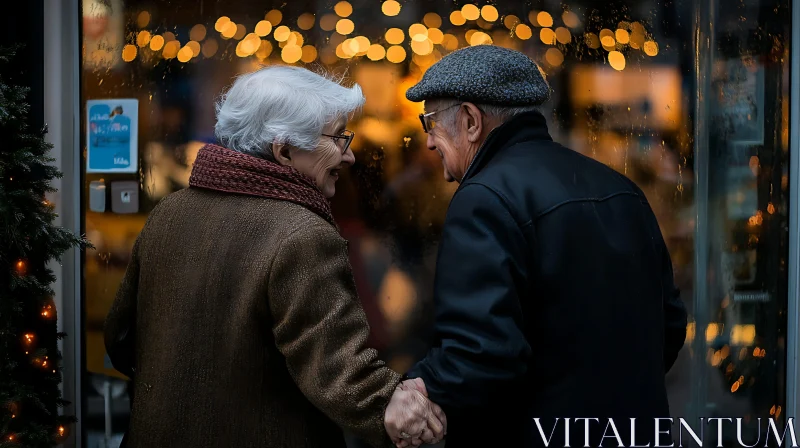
{"points": [[430, 143]]}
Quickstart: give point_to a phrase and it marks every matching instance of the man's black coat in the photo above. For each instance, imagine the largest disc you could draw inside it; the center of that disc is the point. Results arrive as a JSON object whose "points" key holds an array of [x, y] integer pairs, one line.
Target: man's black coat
{"points": [[554, 298]]}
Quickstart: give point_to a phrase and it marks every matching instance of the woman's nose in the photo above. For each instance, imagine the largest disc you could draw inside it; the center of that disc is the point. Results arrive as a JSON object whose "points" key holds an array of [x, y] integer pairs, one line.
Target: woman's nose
{"points": [[348, 158]]}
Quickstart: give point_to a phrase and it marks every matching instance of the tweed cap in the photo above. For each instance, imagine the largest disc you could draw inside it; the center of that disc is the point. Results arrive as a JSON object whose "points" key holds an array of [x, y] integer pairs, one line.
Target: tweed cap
{"points": [[484, 74]]}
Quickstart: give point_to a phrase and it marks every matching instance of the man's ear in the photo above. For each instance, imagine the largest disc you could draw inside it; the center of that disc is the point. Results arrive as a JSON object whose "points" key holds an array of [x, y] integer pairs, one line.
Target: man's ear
{"points": [[281, 154], [474, 122]]}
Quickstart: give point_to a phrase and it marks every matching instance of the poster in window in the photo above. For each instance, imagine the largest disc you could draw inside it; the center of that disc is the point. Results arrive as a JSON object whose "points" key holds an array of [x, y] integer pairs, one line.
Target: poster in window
{"points": [[112, 130], [739, 91]]}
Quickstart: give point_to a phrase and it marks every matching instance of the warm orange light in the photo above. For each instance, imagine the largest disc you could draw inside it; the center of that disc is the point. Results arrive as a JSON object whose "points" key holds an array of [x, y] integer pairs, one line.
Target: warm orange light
{"points": [[571, 19], [396, 54], [511, 21], [143, 19], [395, 36], [129, 53], [309, 54], [376, 52], [554, 57], [185, 54], [143, 38], [306, 21], [592, 41], [263, 28], [198, 32], [219, 25], [390, 8], [21, 267], [29, 337], [650, 48], [61, 430], [274, 17], [343, 9], [616, 60], [291, 54], [544, 19], [432, 20], [523, 31], [343, 27], [457, 19], [489, 13], [47, 311], [480, 38], [157, 42], [470, 12], [563, 35], [547, 36]]}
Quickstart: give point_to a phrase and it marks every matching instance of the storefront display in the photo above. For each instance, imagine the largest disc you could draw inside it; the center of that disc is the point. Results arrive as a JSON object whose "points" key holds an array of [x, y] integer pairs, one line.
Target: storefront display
{"points": [[703, 133]]}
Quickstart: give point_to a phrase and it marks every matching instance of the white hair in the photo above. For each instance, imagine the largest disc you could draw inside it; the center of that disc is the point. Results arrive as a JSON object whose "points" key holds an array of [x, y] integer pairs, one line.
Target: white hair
{"points": [[447, 118], [281, 104]]}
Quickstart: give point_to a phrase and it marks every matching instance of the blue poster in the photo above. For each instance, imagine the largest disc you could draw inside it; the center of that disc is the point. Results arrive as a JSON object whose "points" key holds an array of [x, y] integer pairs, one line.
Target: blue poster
{"points": [[112, 131]]}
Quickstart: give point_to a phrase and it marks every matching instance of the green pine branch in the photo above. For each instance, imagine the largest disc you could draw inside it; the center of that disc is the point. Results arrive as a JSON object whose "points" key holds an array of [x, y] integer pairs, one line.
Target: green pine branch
{"points": [[30, 371]]}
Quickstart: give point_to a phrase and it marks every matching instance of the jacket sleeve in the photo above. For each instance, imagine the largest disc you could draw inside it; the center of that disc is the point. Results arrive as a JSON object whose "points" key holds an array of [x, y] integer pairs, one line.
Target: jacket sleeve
{"points": [[481, 350], [321, 329], [675, 316], [119, 331]]}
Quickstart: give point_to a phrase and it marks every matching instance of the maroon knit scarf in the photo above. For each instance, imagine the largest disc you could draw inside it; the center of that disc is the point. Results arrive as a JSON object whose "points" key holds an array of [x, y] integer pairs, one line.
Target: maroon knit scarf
{"points": [[221, 169]]}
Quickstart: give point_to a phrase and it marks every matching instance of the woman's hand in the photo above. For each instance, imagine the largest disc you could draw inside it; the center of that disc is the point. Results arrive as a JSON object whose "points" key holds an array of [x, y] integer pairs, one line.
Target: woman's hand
{"points": [[412, 419]]}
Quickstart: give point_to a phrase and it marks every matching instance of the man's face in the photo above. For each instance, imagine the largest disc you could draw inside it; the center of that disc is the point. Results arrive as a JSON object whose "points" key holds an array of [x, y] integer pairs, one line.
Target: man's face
{"points": [[451, 148]]}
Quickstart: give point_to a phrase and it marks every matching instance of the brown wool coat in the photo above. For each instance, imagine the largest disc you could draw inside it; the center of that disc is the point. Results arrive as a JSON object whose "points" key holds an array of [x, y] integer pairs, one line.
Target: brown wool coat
{"points": [[247, 327]]}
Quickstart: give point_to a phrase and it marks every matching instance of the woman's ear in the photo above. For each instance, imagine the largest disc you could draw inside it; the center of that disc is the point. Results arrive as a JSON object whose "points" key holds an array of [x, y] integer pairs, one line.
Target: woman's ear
{"points": [[281, 154]]}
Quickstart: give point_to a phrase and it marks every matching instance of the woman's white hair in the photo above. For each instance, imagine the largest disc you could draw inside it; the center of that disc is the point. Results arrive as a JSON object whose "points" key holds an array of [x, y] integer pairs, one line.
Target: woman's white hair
{"points": [[281, 104]]}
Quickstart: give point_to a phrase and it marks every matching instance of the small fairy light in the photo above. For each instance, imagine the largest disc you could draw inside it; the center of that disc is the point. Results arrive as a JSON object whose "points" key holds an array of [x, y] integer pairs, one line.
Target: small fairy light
{"points": [[47, 311], [11, 437], [61, 431], [21, 267], [29, 337]]}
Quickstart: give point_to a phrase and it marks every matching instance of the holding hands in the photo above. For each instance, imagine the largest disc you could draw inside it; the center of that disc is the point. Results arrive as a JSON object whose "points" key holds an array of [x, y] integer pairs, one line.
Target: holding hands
{"points": [[411, 418]]}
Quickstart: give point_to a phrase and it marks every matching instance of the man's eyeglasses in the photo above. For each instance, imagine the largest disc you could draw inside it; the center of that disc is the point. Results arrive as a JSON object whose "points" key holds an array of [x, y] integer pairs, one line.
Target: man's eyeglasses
{"points": [[342, 140], [428, 123]]}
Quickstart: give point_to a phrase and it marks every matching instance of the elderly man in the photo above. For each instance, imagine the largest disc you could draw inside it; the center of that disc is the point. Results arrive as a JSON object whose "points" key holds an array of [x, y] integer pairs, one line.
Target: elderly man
{"points": [[554, 289]]}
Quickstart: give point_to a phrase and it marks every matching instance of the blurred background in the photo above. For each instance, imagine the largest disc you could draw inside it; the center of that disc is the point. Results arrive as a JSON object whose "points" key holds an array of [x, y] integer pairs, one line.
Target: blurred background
{"points": [[696, 115]]}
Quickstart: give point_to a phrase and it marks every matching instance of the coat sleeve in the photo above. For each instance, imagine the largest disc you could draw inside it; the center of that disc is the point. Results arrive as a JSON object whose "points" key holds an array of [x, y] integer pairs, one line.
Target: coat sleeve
{"points": [[675, 315], [481, 350], [321, 329], [120, 325]]}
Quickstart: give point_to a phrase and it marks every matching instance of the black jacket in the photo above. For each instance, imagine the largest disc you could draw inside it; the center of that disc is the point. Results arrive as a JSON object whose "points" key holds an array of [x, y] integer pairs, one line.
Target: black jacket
{"points": [[554, 298]]}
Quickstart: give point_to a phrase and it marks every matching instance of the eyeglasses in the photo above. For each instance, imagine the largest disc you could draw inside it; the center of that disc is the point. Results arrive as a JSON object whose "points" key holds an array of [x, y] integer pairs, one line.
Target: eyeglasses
{"points": [[342, 140], [427, 123]]}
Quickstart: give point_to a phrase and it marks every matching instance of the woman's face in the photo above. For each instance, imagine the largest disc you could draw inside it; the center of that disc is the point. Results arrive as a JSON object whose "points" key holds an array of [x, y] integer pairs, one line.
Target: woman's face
{"points": [[325, 161]]}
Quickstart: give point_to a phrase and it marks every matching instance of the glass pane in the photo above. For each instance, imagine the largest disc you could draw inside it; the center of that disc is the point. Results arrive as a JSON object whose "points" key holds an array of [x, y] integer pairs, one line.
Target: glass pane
{"points": [[625, 76]]}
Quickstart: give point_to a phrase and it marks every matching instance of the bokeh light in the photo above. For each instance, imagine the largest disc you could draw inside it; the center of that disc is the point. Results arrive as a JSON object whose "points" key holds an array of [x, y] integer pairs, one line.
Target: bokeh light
{"points": [[390, 8], [470, 12], [345, 27], [544, 19], [489, 13], [343, 9], [396, 54], [457, 19], [616, 60]]}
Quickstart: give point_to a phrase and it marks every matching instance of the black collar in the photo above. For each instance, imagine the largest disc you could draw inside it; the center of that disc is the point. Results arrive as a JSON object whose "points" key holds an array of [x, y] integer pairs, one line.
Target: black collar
{"points": [[521, 128]]}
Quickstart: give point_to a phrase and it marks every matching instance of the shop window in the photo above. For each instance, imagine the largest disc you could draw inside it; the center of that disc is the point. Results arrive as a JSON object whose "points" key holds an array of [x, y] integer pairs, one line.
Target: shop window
{"points": [[704, 134]]}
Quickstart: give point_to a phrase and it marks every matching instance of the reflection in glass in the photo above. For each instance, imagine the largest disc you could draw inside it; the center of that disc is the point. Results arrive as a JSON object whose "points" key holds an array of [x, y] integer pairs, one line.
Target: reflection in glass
{"points": [[624, 76]]}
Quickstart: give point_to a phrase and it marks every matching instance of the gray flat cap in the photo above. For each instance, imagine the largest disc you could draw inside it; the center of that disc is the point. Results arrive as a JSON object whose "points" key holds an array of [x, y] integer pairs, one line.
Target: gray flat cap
{"points": [[484, 74]]}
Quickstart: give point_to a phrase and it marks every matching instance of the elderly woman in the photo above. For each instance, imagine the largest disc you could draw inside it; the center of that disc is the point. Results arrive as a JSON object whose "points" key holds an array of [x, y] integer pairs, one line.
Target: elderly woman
{"points": [[237, 318]]}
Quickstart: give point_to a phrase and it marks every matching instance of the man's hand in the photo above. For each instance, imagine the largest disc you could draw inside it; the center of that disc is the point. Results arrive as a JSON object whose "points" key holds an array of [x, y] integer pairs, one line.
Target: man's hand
{"points": [[412, 419]]}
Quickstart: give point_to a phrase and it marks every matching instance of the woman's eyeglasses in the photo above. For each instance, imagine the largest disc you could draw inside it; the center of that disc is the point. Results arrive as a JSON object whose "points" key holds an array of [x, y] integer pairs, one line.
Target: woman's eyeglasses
{"points": [[342, 140]]}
